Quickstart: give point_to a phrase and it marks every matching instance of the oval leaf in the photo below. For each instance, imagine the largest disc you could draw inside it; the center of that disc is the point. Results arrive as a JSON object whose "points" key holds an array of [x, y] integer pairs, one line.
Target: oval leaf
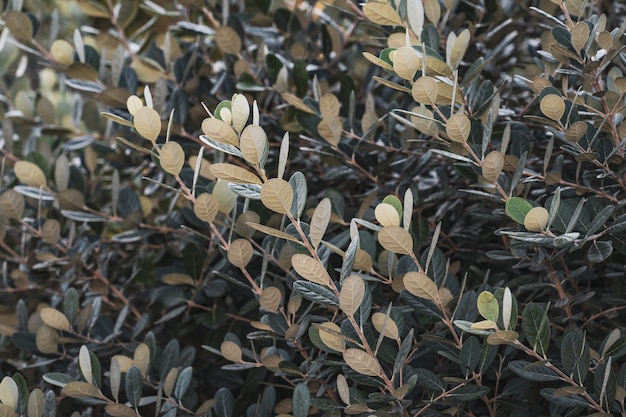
{"points": [[352, 293], [277, 195], [310, 269], [362, 362], [395, 239], [172, 157]]}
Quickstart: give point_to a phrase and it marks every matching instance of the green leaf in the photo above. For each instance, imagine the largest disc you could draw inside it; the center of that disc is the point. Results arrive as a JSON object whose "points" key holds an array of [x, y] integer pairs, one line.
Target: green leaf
{"points": [[224, 403], [22, 388], [348, 259], [567, 401], [316, 293], [469, 356], [536, 327], [470, 392], [300, 400], [58, 379], [299, 186], [488, 306], [575, 355], [182, 383], [300, 77], [70, 304], [599, 251], [533, 371], [395, 202], [134, 386], [605, 382], [599, 220], [429, 380], [517, 208]]}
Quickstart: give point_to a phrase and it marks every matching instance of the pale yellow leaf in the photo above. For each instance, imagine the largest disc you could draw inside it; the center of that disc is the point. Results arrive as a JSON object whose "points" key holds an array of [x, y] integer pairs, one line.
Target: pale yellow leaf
{"points": [[80, 389], [9, 393], [270, 299], [277, 195], [458, 128], [234, 173], [228, 40], [352, 293], [133, 103], [240, 110], [362, 362], [330, 334], [310, 269], [240, 253], [29, 174], [382, 322], [420, 285], [382, 13], [219, 131], [231, 351], [424, 90], [458, 48], [552, 106], [330, 129], [395, 239], [147, 123], [172, 157], [206, 207], [329, 106], [387, 215], [319, 221], [119, 410], [54, 319], [141, 358], [406, 63], [253, 144]]}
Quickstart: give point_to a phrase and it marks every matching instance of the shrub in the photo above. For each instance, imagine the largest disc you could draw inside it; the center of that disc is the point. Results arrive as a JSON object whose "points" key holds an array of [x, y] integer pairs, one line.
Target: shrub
{"points": [[400, 208]]}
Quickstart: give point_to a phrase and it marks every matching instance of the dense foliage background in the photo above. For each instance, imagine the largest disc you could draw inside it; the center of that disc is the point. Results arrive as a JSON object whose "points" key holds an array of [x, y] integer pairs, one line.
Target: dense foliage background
{"points": [[403, 207]]}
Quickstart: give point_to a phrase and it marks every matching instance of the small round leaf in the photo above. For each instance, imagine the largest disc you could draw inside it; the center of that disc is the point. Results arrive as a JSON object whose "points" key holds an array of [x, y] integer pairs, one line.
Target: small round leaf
{"points": [[147, 123], [277, 195], [240, 253], [552, 106], [172, 157], [206, 207], [536, 219], [458, 128]]}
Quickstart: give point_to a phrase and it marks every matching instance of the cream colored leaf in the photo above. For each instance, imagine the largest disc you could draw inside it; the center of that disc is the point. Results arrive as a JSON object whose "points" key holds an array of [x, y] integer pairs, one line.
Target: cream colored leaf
{"points": [[62, 51], [206, 207], [502, 337], [319, 221], [9, 393], [225, 197], [420, 285], [580, 35], [395, 239], [382, 14], [240, 253], [124, 362], [352, 293], [330, 334], [297, 102], [133, 103], [330, 128], [277, 195], [50, 231], [377, 61], [228, 40], [342, 386], [170, 381], [485, 325], [62, 172], [415, 16], [492, 166], [29, 174], [459, 48], [406, 63], [80, 389], [310, 269], [329, 106], [270, 299], [147, 123], [241, 228], [219, 131], [234, 173], [432, 9], [536, 219], [84, 362], [119, 410], [253, 144], [115, 378], [424, 90], [425, 122], [436, 66], [361, 362], [46, 339], [272, 232], [576, 131], [552, 106], [36, 403], [380, 320], [240, 110], [54, 319], [363, 261], [231, 351], [387, 215], [176, 278], [172, 157], [458, 128], [141, 358]]}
